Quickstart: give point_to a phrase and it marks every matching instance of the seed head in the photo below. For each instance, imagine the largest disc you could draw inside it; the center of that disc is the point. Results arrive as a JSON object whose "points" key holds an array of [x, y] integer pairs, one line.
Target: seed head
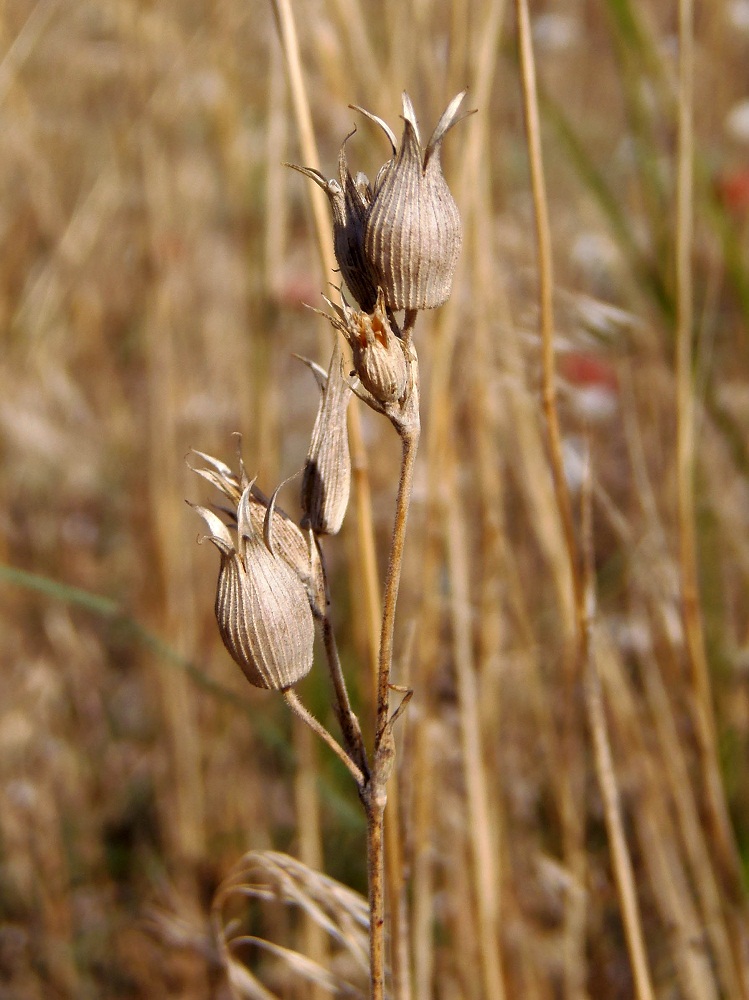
{"points": [[349, 202], [294, 546], [412, 232], [404, 234], [269, 583], [378, 354]]}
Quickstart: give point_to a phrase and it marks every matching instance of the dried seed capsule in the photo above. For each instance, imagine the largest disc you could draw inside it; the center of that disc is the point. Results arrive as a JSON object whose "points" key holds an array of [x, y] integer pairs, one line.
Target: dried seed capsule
{"points": [[327, 472], [349, 200], [262, 608], [288, 541], [412, 230], [377, 353]]}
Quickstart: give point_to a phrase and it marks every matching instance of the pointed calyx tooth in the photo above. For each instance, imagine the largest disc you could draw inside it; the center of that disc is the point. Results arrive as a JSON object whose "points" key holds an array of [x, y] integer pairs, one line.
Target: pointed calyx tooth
{"points": [[326, 483], [404, 234], [270, 583]]}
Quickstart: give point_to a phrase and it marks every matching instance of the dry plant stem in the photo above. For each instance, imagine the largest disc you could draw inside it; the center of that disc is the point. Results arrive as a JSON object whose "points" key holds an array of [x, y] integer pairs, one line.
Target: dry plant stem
{"points": [[409, 433], [290, 44], [376, 892], [376, 796], [347, 720], [307, 804], [604, 764], [292, 700], [692, 615], [576, 655], [484, 844], [398, 915], [546, 282], [621, 860]]}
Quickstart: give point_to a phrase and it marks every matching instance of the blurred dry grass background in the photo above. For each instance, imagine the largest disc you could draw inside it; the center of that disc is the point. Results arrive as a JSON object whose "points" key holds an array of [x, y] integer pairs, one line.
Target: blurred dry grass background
{"points": [[153, 261]]}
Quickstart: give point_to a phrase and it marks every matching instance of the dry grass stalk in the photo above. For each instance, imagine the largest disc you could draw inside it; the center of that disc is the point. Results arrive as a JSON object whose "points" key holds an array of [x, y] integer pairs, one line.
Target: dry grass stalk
{"points": [[485, 834], [685, 450]]}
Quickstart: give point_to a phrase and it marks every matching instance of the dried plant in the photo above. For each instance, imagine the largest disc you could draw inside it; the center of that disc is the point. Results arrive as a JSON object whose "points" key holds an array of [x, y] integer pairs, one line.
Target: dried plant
{"points": [[557, 825], [397, 246]]}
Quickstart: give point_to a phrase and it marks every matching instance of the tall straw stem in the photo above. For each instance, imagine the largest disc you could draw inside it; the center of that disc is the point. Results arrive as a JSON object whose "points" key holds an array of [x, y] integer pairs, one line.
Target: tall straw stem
{"points": [[685, 448], [574, 654], [483, 833], [579, 657], [604, 764]]}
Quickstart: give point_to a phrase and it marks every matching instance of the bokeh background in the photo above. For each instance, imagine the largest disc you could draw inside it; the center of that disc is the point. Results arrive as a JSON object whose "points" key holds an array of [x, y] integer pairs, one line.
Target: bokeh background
{"points": [[154, 260]]}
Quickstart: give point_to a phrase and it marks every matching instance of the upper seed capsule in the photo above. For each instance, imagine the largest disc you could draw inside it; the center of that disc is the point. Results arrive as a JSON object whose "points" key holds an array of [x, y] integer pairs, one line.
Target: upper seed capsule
{"points": [[378, 355], [405, 235], [412, 229]]}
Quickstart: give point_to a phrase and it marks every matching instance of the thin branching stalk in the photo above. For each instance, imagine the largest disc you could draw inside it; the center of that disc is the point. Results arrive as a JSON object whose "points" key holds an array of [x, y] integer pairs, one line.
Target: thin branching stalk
{"points": [[384, 750], [346, 718], [410, 444], [292, 700]]}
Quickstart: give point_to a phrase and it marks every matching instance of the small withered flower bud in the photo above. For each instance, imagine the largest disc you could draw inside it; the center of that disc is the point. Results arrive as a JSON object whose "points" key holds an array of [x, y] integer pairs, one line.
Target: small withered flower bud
{"points": [[326, 483], [262, 608], [378, 355], [349, 200], [412, 229]]}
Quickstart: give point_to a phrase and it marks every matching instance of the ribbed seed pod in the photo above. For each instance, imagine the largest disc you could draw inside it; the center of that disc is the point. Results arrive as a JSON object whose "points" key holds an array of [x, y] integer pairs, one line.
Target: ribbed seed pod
{"points": [[262, 608], [405, 236], [296, 549], [349, 201], [327, 472], [377, 353], [412, 232], [288, 541]]}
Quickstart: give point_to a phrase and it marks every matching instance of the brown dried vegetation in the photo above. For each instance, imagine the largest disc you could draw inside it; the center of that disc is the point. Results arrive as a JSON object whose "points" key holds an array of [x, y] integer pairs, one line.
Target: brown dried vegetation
{"points": [[154, 259]]}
